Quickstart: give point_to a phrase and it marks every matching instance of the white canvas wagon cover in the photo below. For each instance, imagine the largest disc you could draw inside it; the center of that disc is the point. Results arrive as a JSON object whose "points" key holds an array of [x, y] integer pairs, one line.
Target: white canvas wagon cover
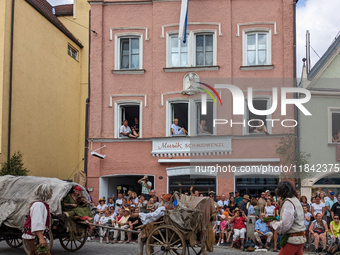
{"points": [[17, 194]]}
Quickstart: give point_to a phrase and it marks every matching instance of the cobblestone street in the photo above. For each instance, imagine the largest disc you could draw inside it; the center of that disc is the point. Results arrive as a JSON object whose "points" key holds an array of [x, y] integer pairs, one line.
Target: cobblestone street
{"points": [[91, 248]]}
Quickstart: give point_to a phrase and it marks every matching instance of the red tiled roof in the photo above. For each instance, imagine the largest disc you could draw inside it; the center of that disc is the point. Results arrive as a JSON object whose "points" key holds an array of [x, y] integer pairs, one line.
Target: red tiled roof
{"points": [[45, 9], [64, 10]]}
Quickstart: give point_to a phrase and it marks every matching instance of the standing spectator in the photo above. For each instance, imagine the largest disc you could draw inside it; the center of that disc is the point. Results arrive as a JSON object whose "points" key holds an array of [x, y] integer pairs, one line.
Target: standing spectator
{"points": [[277, 209], [237, 197], [222, 229], [334, 229], [322, 197], [318, 207], [262, 202], [304, 202], [239, 227], [153, 195], [267, 194], [196, 193], [328, 194], [329, 203], [222, 202], [142, 203], [119, 202], [123, 224], [231, 194], [269, 208], [336, 208], [146, 186], [212, 195], [243, 204], [232, 206], [102, 207], [307, 218], [261, 229], [319, 228], [298, 194], [253, 209], [125, 130]]}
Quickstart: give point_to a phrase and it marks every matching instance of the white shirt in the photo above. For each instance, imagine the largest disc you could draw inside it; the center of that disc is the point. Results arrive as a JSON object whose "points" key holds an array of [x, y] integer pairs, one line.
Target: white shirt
{"points": [[318, 207], [119, 203], [124, 129], [38, 214], [96, 218], [177, 129], [145, 190], [270, 210], [102, 207], [104, 219], [222, 204], [132, 201]]}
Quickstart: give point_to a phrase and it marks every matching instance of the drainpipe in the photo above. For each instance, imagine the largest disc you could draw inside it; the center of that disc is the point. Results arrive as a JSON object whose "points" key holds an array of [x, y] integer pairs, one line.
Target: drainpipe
{"points": [[87, 100], [10, 85], [296, 95]]}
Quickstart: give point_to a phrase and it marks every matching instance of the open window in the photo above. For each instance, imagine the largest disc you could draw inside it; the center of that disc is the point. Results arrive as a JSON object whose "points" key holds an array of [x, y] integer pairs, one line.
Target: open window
{"points": [[204, 123], [335, 122], [179, 111], [131, 113], [257, 123]]}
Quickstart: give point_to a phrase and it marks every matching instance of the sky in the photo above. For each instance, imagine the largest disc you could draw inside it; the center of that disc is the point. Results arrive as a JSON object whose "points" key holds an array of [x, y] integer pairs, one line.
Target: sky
{"points": [[321, 18]]}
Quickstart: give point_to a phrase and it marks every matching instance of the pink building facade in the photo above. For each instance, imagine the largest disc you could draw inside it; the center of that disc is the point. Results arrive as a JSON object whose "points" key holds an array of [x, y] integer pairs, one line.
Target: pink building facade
{"points": [[139, 69]]}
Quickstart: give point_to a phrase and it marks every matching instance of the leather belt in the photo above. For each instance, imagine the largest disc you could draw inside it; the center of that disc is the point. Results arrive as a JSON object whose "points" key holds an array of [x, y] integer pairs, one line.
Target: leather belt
{"points": [[297, 234]]}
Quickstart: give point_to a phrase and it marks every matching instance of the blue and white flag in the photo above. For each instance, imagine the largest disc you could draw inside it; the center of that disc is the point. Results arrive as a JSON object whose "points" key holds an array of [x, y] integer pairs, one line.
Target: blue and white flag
{"points": [[183, 22]]}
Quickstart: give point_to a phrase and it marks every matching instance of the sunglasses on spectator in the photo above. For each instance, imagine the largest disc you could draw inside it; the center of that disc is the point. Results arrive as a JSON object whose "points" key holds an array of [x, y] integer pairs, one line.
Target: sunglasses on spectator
{"points": [[336, 218]]}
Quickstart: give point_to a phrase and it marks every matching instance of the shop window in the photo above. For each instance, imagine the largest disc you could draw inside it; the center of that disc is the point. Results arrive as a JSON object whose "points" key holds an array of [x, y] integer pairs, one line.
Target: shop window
{"points": [[183, 183], [179, 111], [335, 122], [257, 120], [204, 123]]}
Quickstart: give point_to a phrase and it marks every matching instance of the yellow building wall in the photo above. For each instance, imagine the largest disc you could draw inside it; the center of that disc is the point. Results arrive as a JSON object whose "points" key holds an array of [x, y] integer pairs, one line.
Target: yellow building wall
{"points": [[78, 24], [46, 107]]}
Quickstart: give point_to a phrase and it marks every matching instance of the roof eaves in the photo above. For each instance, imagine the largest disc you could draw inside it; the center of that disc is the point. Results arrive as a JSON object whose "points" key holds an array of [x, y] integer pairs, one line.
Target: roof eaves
{"points": [[60, 26], [324, 59]]}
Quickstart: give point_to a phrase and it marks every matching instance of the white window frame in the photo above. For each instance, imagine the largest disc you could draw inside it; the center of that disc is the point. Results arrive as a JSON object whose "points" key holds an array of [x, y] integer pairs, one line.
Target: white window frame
{"points": [[195, 116], [330, 111], [192, 113], [246, 32], [76, 57], [118, 38], [118, 116], [246, 114], [201, 32], [191, 40]]}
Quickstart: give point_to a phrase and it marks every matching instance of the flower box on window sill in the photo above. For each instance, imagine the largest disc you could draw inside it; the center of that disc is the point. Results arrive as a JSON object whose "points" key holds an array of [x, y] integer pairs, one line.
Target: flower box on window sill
{"points": [[257, 67], [129, 71], [190, 69]]}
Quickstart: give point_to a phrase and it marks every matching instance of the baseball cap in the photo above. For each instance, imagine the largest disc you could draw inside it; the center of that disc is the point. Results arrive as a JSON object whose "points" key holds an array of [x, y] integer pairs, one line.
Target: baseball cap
{"points": [[236, 191], [332, 193], [267, 190]]}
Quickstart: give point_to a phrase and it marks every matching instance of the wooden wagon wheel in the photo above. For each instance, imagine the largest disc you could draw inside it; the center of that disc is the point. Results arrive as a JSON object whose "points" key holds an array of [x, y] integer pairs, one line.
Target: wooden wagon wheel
{"points": [[194, 251], [73, 245], [50, 245], [165, 240], [14, 242]]}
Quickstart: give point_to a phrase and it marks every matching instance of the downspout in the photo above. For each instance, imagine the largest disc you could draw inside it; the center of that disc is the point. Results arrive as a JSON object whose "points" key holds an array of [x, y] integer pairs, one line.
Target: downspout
{"points": [[296, 95], [87, 99], [10, 85]]}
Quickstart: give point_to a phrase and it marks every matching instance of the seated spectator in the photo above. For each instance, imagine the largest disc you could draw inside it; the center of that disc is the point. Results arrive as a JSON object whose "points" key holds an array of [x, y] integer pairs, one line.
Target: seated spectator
{"points": [[177, 130], [239, 227], [119, 215], [102, 207], [243, 204], [336, 138], [254, 209], [232, 206], [133, 199], [119, 202], [334, 229], [269, 208], [134, 221], [202, 128], [125, 130], [154, 196], [142, 203], [222, 229], [151, 207], [125, 204], [111, 202], [230, 228], [106, 220], [261, 229], [226, 211], [261, 127], [123, 224], [319, 228], [135, 128], [336, 207], [216, 226], [112, 212]]}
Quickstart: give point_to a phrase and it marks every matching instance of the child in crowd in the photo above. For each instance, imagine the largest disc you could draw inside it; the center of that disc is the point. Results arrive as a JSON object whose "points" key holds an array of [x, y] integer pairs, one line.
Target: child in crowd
{"points": [[222, 229], [307, 219]]}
